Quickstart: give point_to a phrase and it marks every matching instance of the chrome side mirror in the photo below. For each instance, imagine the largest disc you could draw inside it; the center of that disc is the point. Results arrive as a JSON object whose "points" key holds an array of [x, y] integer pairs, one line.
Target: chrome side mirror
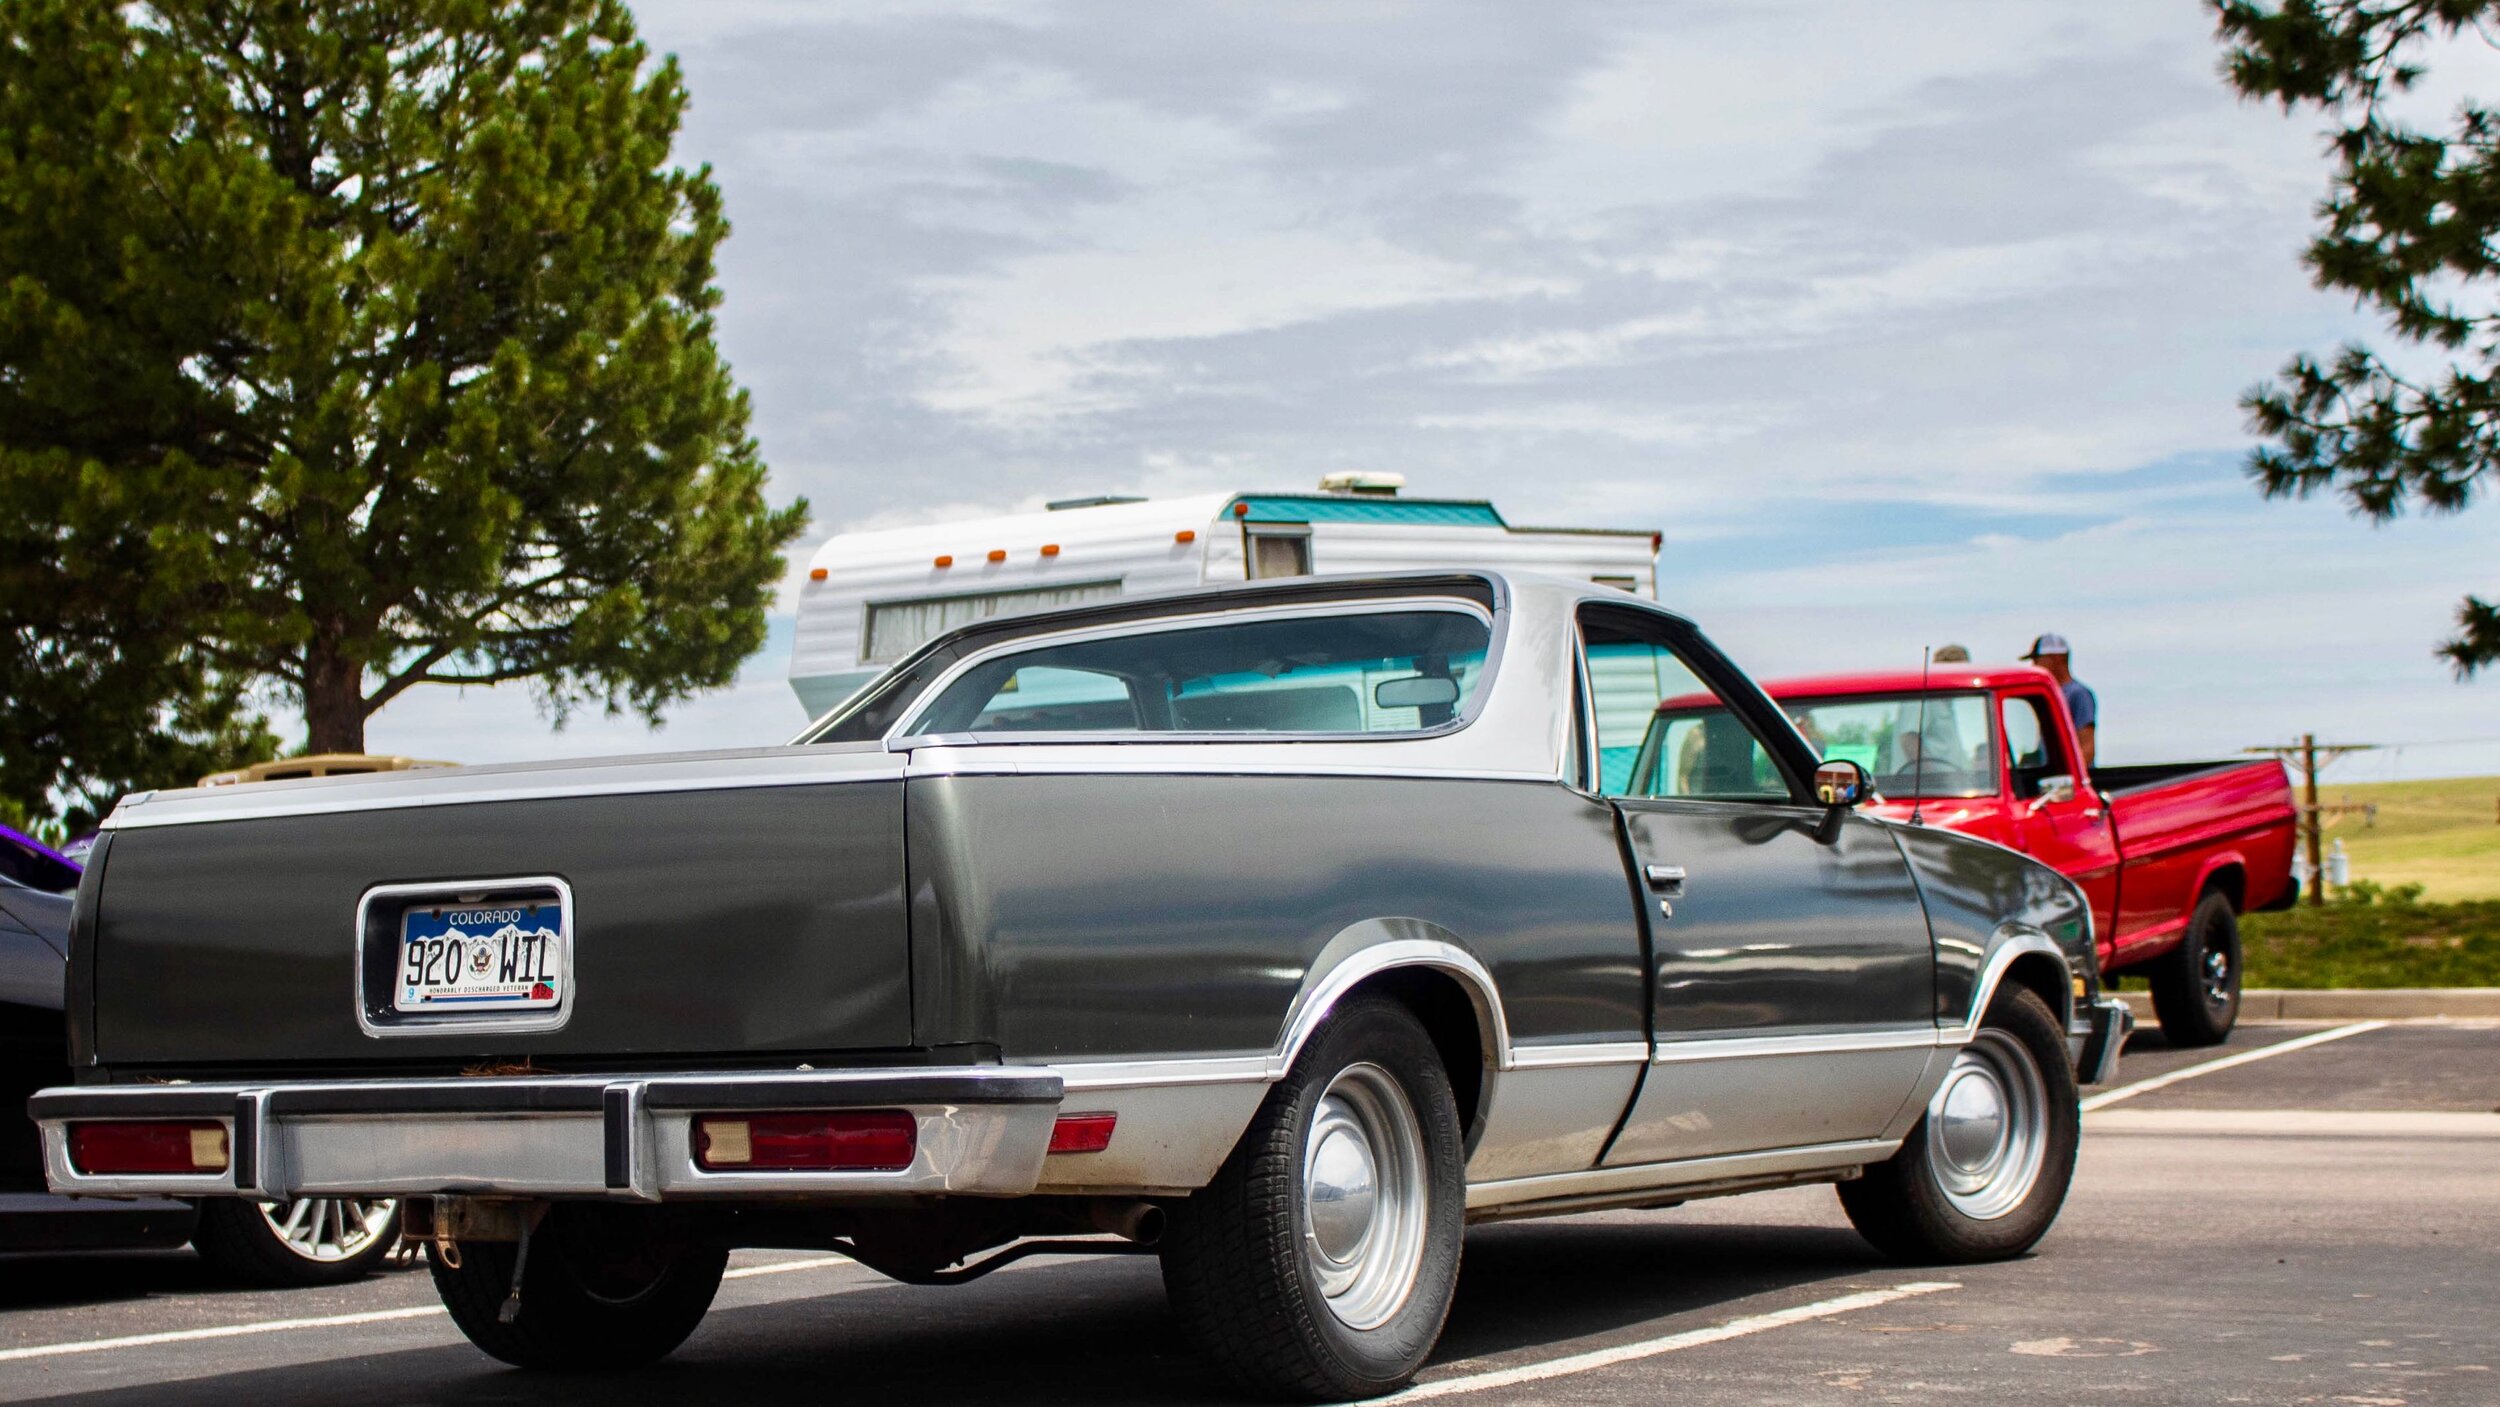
{"points": [[1841, 784], [2057, 790]]}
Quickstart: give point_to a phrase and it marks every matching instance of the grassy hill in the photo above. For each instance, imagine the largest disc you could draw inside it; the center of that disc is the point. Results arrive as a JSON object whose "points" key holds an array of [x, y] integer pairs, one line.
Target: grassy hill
{"points": [[2442, 835]]}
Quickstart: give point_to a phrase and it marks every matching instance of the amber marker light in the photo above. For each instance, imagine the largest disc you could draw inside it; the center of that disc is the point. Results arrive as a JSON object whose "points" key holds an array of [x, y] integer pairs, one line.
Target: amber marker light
{"points": [[945, 561], [110, 1149], [1050, 549], [819, 574], [1185, 535], [998, 554]]}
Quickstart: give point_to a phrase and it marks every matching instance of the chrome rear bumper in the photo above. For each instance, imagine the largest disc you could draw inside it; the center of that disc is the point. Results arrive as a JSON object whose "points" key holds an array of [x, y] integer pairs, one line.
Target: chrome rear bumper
{"points": [[980, 1130]]}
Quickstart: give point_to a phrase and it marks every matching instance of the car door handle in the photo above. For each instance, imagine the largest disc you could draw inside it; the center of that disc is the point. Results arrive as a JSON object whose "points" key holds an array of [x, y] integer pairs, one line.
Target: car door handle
{"points": [[1666, 879]]}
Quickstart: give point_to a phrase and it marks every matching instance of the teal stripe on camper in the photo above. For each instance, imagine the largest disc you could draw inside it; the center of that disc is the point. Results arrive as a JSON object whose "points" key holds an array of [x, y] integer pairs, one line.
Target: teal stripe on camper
{"points": [[1330, 508]]}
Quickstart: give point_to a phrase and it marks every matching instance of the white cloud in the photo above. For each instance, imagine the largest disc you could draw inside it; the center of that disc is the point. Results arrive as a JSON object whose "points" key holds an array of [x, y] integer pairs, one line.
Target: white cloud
{"points": [[1942, 308]]}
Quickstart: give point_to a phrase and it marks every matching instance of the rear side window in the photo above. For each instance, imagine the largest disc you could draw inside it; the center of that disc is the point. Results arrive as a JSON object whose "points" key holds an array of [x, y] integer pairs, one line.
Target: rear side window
{"points": [[1395, 671]]}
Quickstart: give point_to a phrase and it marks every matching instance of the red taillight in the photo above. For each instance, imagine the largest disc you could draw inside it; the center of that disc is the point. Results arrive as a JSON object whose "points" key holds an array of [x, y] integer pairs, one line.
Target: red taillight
{"points": [[873, 1140], [108, 1149], [1082, 1133]]}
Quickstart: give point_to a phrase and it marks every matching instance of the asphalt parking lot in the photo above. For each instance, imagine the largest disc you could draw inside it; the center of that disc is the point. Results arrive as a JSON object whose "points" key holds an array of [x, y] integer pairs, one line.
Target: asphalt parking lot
{"points": [[2321, 1225]]}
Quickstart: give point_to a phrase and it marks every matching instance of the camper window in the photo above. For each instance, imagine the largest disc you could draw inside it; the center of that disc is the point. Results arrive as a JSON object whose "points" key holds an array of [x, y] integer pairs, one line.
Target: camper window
{"points": [[896, 628], [1275, 554]]}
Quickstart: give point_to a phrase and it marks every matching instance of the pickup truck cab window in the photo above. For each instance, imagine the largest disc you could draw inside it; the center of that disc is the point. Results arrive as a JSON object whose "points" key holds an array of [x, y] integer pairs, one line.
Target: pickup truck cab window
{"points": [[1361, 673], [1941, 748]]}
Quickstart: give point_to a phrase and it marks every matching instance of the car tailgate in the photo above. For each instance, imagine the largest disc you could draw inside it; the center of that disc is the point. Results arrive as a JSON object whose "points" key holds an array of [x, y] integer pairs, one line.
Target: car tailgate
{"points": [[721, 903]]}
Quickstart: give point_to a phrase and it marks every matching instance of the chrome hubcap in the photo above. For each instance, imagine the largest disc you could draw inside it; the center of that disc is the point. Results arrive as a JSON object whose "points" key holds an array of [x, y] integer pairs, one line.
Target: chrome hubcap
{"points": [[2217, 977], [329, 1229], [1987, 1127], [1363, 1194]]}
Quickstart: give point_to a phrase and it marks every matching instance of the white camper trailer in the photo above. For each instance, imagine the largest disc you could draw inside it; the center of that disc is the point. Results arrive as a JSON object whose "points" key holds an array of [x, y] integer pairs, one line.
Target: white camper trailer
{"points": [[872, 597]]}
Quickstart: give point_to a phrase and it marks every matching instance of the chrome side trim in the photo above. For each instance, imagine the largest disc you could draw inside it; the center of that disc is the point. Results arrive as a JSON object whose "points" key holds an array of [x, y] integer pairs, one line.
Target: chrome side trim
{"points": [[468, 786], [1317, 999], [1820, 1043], [1208, 759], [1555, 1057], [465, 1025], [1663, 1176], [1179, 1070], [1320, 996], [2021, 944]]}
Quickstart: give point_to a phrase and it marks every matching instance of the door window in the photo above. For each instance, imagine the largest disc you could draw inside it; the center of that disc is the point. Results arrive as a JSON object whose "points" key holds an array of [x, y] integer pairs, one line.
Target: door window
{"points": [[1662, 730], [2031, 747]]}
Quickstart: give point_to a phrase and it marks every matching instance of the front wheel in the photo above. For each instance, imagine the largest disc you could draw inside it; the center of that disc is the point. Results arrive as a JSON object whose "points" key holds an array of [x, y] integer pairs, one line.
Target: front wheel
{"points": [[1321, 1260], [1984, 1173], [307, 1241], [598, 1291], [2196, 986]]}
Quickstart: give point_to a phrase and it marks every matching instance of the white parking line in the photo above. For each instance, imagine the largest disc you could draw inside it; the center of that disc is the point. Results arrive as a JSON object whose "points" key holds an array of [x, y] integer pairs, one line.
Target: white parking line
{"points": [[1651, 1348], [222, 1331], [2103, 1100], [333, 1321]]}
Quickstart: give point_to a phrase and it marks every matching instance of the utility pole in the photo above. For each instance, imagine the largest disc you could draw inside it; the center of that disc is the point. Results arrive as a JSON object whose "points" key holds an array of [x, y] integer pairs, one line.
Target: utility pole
{"points": [[2309, 757]]}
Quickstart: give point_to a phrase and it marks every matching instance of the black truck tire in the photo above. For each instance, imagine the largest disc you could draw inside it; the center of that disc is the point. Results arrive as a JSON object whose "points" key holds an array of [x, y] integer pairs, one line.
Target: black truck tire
{"points": [[2196, 986], [1321, 1261], [1962, 1188], [594, 1294]]}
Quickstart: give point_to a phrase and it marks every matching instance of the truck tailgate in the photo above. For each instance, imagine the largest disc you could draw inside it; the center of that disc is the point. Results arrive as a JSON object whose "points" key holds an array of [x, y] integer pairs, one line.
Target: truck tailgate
{"points": [[720, 904]]}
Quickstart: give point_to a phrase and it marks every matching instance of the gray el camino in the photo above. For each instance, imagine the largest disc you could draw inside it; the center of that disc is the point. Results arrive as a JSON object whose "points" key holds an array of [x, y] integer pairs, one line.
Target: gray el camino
{"points": [[1281, 929]]}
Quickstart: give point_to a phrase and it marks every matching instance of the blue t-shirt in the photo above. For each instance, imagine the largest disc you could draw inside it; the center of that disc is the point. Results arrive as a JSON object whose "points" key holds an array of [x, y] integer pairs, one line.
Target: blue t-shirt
{"points": [[2081, 702]]}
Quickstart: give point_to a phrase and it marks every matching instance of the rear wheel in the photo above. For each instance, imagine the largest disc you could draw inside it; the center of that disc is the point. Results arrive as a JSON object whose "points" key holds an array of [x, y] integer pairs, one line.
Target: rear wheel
{"points": [[1321, 1260], [308, 1241], [1985, 1172], [598, 1292], [2196, 986]]}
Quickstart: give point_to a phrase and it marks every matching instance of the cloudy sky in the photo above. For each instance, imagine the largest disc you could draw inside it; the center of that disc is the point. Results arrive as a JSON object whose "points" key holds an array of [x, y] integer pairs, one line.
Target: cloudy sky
{"points": [[1904, 323]]}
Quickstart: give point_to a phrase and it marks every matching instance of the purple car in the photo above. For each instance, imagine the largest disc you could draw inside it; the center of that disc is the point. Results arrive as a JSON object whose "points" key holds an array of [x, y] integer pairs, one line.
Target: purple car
{"points": [[35, 885], [35, 865]]}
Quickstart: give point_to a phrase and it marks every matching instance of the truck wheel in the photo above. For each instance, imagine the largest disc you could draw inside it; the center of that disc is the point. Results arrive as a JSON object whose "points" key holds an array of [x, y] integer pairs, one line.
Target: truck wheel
{"points": [[1321, 1260], [1984, 1173], [597, 1293], [308, 1241], [2196, 986]]}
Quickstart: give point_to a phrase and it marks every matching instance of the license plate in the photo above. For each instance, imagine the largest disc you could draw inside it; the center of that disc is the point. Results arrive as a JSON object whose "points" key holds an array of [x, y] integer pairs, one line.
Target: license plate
{"points": [[481, 957]]}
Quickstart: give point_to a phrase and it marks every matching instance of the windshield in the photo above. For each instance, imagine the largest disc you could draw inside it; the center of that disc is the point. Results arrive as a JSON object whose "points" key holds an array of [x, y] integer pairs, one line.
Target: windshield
{"points": [[1391, 671], [1955, 754]]}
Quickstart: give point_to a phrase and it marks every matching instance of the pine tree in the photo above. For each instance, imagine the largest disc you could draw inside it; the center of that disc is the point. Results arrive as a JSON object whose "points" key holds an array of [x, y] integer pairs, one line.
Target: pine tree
{"points": [[2410, 226], [346, 347]]}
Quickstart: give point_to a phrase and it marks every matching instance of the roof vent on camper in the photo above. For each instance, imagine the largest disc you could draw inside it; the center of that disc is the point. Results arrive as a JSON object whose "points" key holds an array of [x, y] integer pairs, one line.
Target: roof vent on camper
{"points": [[1100, 500], [1366, 485]]}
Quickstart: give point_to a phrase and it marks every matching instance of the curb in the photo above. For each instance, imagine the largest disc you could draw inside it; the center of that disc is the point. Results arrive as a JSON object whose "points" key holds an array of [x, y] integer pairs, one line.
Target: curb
{"points": [[2348, 1003]]}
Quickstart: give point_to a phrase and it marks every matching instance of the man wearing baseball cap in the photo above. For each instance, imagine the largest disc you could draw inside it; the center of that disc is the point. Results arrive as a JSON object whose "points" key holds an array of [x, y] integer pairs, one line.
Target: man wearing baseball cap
{"points": [[2050, 653]]}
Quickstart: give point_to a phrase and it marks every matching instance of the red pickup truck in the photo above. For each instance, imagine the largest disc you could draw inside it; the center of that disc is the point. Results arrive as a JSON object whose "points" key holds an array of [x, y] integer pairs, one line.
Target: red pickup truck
{"points": [[2169, 855]]}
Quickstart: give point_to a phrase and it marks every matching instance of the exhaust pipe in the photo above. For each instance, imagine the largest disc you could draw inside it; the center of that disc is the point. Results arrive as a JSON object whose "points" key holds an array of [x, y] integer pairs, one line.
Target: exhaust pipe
{"points": [[1137, 1221]]}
